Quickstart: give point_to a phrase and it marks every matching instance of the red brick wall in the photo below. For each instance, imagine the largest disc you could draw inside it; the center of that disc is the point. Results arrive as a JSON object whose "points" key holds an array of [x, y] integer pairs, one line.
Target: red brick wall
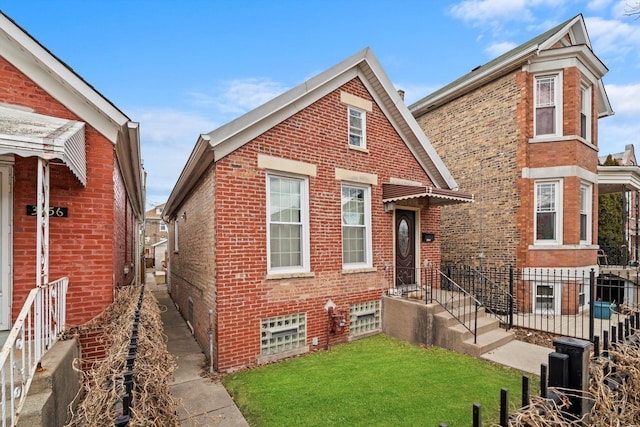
{"points": [[559, 153], [315, 135], [82, 245]]}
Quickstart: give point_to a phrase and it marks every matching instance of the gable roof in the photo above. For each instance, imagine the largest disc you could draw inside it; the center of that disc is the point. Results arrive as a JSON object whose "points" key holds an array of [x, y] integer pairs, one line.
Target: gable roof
{"points": [[60, 81], [574, 28], [224, 140]]}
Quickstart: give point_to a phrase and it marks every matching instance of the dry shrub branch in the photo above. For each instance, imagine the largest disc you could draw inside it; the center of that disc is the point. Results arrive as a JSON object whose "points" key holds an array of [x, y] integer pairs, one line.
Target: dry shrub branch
{"points": [[613, 393], [152, 404]]}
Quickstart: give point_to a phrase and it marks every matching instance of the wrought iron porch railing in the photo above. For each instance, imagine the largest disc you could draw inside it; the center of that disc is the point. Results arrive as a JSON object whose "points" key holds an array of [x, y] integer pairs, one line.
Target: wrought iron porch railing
{"points": [[492, 287], [455, 299], [36, 329]]}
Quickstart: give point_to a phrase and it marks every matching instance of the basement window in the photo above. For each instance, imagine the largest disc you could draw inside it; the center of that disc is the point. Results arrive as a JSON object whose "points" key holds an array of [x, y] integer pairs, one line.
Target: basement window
{"points": [[364, 317], [283, 333]]}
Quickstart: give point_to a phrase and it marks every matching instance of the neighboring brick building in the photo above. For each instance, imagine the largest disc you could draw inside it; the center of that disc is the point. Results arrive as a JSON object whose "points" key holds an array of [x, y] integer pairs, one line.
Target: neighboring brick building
{"points": [[521, 132], [156, 233], [58, 128], [290, 210], [623, 179]]}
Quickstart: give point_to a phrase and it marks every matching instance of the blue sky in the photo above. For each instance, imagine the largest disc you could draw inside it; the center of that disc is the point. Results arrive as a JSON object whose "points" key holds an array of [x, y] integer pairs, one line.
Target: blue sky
{"points": [[182, 68]]}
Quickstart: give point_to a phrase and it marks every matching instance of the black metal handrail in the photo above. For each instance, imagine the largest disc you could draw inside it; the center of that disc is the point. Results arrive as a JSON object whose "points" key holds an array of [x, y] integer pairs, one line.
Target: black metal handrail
{"points": [[497, 300], [455, 300]]}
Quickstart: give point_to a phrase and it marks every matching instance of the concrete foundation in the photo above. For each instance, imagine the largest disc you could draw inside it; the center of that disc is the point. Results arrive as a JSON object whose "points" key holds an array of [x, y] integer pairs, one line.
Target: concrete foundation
{"points": [[54, 388]]}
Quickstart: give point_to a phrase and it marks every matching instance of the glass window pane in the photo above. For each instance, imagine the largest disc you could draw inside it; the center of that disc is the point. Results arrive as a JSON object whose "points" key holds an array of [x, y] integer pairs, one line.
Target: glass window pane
{"points": [[545, 226], [545, 120], [285, 228]]}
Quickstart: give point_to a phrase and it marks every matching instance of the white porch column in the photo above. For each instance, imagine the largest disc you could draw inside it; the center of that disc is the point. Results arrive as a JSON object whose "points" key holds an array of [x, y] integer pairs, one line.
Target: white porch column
{"points": [[42, 224]]}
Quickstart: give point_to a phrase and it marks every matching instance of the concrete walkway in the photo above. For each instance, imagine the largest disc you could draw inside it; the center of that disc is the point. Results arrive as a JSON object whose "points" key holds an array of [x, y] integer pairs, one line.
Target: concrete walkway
{"points": [[520, 355], [201, 401]]}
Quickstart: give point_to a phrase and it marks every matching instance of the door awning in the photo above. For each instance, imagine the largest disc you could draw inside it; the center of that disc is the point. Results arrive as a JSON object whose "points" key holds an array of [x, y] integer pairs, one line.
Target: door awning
{"points": [[29, 134], [437, 196]]}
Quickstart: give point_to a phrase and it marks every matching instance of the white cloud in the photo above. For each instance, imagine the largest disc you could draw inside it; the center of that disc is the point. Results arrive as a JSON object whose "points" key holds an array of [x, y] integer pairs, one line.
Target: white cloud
{"points": [[624, 99], [615, 132], [598, 5], [167, 138], [497, 49], [613, 36], [495, 12], [235, 97]]}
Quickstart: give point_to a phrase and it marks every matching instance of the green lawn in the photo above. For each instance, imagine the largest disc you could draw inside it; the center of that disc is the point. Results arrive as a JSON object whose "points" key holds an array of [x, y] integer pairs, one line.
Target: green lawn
{"points": [[375, 381]]}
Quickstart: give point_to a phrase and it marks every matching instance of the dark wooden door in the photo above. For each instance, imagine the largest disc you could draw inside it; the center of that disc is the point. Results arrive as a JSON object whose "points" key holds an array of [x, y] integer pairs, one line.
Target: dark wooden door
{"points": [[405, 247]]}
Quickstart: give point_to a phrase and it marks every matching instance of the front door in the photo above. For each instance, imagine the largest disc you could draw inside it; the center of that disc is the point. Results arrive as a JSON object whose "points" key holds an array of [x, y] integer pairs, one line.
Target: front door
{"points": [[405, 248], [5, 256]]}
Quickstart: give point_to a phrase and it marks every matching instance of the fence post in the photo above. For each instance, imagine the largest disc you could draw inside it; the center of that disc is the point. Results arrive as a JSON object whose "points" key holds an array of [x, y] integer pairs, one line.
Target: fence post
{"points": [[592, 296], [544, 370], [578, 352], [504, 407], [526, 391], [511, 302], [477, 415]]}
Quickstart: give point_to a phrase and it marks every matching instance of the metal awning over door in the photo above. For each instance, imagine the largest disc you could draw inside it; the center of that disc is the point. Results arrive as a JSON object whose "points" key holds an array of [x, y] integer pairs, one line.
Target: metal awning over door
{"points": [[27, 134]]}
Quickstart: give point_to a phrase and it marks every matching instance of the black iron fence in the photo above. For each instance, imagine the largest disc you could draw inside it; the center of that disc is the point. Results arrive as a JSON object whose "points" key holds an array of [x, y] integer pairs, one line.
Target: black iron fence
{"points": [[614, 255], [127, 377], [569, 302]]}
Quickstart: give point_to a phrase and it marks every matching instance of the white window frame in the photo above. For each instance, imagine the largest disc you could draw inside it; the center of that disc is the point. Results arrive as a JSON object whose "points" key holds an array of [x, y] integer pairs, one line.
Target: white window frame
{"points": [[304, 219], [557, 103], [368, 251], [585, 109], [555, 298], [163, 227], [586, 194], [558, 199], [363, 130]]}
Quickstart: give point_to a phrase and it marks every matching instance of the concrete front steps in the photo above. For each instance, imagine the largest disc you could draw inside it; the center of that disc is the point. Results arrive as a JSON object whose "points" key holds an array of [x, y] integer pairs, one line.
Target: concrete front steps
{"points": [[451, 334]]}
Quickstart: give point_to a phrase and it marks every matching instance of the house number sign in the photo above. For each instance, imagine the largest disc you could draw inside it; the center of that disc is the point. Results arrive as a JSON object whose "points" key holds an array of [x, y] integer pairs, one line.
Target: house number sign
{"points": [[54, 211]]}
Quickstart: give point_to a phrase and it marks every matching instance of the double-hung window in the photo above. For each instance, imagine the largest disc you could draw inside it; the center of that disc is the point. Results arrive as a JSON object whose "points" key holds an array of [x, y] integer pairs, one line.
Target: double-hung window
{"points": [[288, 224], [585, 214], [548, 106], [356, 226], [585, 112], [357, 128], [548, 212]]}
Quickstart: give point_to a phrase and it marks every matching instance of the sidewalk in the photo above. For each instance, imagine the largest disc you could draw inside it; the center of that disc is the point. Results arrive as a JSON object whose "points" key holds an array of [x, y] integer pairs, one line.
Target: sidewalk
{"points": [[201, 401], [520, 355]]}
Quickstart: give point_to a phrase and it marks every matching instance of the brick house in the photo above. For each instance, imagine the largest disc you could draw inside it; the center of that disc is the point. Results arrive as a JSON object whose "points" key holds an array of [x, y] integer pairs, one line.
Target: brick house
{"points": [[521, 132], [624, 179], [66, 150], [156, 234], [282, 222]]}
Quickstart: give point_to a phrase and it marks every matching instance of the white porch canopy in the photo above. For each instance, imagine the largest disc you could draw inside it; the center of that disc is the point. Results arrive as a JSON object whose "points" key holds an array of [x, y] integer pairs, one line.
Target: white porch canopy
{"points": [[29, 134], [612, 179]]}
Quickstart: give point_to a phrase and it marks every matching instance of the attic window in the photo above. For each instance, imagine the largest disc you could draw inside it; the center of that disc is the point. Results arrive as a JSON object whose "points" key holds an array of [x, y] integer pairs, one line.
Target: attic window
{"points": [[357, 128]]}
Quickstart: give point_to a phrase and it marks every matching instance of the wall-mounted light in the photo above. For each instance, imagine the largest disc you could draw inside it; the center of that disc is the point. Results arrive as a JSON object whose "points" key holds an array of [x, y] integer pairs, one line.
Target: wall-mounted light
{"points": [[184, 216], [389, 207]]}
